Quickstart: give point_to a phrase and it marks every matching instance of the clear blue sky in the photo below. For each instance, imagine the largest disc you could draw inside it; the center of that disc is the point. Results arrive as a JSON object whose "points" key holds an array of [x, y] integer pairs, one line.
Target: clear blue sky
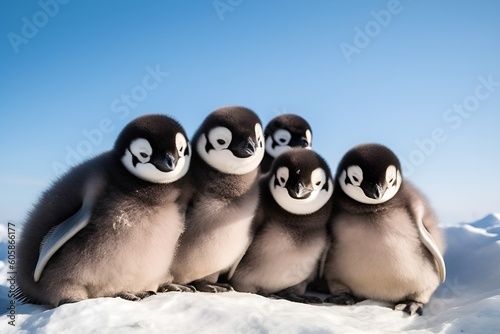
{"points": [[422, 77]]}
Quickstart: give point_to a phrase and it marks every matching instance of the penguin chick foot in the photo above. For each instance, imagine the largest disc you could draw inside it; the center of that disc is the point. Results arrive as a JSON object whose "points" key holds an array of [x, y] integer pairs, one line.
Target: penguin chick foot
{"points": [[145, 294], [344, 298], [172, 287], [204, 286], [295, 297], [409, 306], [135, 297]]}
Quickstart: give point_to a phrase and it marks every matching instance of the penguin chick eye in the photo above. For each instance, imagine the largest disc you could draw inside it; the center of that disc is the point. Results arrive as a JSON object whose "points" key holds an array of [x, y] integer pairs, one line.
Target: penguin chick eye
{"points": [[259, 135], [318, 178], [141, 149], [282, 137], [180, 142], [390, 175], [220, 137], [282, 176], [355, 174]]}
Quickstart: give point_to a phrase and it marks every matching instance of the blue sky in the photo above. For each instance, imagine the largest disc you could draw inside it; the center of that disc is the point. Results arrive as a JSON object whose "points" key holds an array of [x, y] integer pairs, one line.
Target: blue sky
{"points": [[422, 77]]}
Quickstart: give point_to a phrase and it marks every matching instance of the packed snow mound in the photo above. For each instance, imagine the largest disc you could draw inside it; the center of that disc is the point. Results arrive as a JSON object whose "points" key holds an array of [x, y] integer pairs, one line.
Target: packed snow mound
{"points": [[468, 301]]}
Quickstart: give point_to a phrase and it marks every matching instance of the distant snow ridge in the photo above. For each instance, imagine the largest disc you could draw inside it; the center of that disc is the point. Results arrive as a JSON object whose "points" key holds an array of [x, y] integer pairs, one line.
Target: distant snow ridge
{"points": [[490, 223]]}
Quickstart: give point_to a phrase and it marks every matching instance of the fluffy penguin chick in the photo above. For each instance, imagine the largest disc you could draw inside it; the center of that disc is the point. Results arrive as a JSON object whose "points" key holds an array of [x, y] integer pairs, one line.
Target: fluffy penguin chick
{"points": [[228, 148], [291, 226], [109, 227], [386, 244], [283, 133]]}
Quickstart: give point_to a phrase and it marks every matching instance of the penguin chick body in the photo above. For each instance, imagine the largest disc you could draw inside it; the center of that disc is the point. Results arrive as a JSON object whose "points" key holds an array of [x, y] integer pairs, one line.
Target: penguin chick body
{"points": [[283, 133], [386, 244], [228, 148], [291, 226], [109, 227]]}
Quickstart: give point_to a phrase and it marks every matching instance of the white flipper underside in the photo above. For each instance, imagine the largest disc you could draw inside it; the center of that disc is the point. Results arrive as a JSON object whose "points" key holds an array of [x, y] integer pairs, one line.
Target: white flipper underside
{"points": [[59, 235], [429, 242]]}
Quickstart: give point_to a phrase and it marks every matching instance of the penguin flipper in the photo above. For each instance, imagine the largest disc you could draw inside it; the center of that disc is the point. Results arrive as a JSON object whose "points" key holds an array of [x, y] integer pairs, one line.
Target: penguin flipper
{"points": [[59, 235], [431, 245]]}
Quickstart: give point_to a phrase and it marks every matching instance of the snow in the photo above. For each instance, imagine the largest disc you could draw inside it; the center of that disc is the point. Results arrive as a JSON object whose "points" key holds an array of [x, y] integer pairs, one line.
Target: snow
{"points": [[467, 302]]}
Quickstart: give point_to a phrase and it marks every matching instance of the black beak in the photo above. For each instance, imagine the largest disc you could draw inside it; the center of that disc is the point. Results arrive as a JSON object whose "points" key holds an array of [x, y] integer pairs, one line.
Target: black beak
{"points": [[299, 191], [167, 164], [375, 191], [245, 148]]}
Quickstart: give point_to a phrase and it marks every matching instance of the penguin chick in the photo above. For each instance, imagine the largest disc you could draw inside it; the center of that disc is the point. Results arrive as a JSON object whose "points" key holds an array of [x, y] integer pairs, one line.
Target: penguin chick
{"points": [[291, 228], [228, 148], [283, 133], [109, 227], [386, 244]]}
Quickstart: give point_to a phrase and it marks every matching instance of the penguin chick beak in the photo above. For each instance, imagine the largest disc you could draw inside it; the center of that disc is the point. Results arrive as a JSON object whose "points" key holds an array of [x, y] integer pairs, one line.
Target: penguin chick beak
{"points": [[375, 192], [300, 191], [167, 164], [245, 148]]}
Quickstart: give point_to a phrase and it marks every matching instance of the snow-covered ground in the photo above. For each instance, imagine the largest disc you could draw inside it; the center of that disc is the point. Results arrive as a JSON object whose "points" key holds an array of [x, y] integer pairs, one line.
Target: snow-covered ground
{"points": [[468, 302]]}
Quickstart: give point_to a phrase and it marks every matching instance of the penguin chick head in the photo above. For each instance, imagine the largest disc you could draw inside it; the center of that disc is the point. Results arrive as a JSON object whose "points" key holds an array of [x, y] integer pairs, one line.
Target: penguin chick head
{"points": [[370, 174], [231, 140], [285, 132], [300, 181], [154, 148]]}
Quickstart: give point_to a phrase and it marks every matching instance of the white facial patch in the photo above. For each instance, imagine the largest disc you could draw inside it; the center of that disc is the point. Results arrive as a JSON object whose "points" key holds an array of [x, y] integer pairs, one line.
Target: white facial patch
{"points": [[309, 138], [145, 170], [282, 137], [278, 142], [316, 200], [141, 149], [355, 176], [282, 174], [275, 150], [221, 157], [182, 144]]}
